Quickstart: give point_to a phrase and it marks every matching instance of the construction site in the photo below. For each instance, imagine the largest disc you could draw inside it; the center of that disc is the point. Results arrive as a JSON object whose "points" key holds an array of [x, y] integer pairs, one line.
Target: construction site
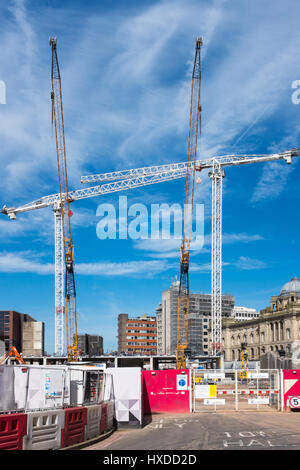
{"points": [[250, 368]]}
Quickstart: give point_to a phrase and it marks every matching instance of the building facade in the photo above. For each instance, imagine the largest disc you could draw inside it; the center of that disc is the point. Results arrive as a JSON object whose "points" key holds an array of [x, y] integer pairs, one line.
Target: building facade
{"points": [[137, 336], [33, 338], [21, 331], [277, 328], [244, 313], [90, 345], [199, 321]]}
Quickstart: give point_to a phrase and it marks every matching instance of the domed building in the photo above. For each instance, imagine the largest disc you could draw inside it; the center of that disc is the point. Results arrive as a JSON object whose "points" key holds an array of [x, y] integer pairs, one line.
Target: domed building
{"points": [[276, 329]]}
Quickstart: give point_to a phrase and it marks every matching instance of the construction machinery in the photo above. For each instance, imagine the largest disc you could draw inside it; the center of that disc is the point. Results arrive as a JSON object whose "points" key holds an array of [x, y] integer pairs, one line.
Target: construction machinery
{"points": [[216, 165], [243, 374], [62, 209], [183, 294], [124, 180], [13, 353], [77, 195]]}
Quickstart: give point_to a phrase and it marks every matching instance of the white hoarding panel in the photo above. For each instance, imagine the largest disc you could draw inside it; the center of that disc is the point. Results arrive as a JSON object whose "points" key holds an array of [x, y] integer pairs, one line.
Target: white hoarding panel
{"points": [[127, 386]]}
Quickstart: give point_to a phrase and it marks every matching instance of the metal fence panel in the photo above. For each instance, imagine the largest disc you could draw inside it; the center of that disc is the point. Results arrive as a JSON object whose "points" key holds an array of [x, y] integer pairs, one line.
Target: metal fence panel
{"points": [[235, 390]]}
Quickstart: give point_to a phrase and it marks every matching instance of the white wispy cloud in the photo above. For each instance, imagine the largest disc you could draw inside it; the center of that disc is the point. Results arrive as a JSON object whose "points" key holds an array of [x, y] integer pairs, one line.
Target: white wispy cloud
{"points": [[29, 262], [39, 224], [23, 262], [272, 182], [169, 248], [245, 264]]}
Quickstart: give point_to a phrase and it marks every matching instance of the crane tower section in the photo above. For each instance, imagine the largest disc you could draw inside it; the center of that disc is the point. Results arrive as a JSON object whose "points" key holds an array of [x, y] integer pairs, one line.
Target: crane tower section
{"points": [[194, 132], [63, 208]]}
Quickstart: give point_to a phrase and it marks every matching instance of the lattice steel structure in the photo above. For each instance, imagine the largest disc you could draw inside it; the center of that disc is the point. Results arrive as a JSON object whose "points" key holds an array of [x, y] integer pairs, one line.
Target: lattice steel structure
{"points": [[216, 176]]}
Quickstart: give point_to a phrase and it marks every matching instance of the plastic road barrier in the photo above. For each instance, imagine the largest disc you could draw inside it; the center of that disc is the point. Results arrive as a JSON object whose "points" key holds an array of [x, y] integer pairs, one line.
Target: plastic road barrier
{"points": [[13, 428], [75, 422], [44, 430]]}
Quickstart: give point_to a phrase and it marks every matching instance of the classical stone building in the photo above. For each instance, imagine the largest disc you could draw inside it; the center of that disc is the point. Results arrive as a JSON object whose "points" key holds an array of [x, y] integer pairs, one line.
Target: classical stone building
{"points": [[277, 328]]}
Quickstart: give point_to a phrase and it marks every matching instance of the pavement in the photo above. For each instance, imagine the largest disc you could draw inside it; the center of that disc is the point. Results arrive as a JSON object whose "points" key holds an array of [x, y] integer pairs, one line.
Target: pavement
{"points": [[210, 431]]}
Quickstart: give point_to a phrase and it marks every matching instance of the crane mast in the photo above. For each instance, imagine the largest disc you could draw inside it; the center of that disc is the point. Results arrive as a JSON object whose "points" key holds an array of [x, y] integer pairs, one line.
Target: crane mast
{"points": [[62, 208], [194, 129]]}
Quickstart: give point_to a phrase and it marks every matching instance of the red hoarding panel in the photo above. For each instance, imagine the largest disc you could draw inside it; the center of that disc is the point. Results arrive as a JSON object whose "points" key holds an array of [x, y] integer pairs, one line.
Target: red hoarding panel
{"points": [[13, 428], [166, 391], [75, 421], [291, 388]]}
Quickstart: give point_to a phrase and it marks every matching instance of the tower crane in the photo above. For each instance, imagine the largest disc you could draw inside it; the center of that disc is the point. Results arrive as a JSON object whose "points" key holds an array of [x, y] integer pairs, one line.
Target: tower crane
{"points": [[54, 201], [62, 209], [183, 293], [215, 164], [121, 181]]}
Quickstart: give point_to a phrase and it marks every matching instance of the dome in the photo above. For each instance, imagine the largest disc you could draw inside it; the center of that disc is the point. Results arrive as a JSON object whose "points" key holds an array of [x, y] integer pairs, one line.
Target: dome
{"points": [[292, 286]]}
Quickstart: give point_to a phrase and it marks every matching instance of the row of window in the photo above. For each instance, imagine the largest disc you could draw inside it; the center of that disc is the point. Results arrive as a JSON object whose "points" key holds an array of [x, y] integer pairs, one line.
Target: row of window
{"points": [[141, 337], [254, 353], [276, 335]]}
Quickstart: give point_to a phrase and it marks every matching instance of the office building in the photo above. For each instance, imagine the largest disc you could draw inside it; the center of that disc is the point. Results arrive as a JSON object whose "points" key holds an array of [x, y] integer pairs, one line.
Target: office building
{"points": [[137, 336], [244, 313], [199, 321], [22, 331], [90, 345]]}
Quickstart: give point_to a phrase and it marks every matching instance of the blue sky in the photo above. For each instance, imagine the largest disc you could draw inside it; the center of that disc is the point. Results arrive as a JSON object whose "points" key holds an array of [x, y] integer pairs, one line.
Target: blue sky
{"points": [[126, 73]]}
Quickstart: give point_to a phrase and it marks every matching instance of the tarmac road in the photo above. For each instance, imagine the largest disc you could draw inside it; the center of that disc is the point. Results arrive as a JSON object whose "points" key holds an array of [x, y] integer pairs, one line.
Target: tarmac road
{"points": [[210, 431]]}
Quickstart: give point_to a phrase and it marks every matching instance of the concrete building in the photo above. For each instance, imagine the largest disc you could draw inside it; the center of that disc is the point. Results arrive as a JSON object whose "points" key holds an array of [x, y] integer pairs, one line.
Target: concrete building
{"points": [[199, 320], [90, 345], [33, 338], [17, 329], [122, 323], [276, 329], [244, 313], [137, 336]]}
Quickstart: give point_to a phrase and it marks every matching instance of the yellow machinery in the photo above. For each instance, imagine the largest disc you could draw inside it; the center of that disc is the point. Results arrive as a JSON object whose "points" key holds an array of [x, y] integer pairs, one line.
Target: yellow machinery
{"points": [[183, 295], [65, 200], [243, 374]]}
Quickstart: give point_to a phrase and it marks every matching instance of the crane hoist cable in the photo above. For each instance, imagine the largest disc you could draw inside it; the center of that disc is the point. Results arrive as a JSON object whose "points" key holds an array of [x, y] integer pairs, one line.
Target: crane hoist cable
{"points": [[64, 207], [194, 130]]}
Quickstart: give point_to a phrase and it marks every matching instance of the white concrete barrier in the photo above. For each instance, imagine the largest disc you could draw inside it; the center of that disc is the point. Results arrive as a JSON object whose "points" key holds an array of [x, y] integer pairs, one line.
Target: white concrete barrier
{"points": [[92, 427], [110, 414], [44, 430]]}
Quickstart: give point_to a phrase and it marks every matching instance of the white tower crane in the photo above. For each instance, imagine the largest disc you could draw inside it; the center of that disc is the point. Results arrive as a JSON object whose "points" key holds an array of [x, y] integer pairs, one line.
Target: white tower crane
{"points": [[216, 174], [54, 201], [135, 178]]}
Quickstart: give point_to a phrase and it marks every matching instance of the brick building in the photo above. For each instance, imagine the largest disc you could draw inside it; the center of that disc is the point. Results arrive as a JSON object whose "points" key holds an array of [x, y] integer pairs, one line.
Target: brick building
{"points": [[22, 331], [137, 336]]}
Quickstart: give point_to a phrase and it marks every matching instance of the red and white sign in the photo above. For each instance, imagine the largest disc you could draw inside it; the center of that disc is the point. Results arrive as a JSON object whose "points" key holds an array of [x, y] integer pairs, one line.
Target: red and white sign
{"points": [[291, 387], [294, 402]]}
